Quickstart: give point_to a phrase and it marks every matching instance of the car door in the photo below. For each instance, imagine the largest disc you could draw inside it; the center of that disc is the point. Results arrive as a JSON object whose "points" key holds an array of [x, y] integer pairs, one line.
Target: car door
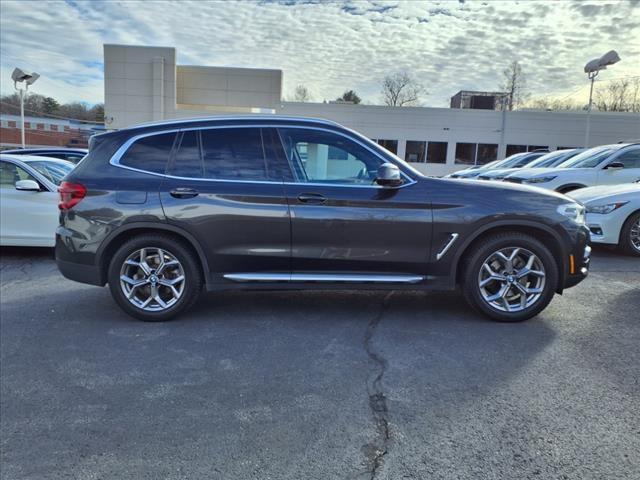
{"points": [[342, 222], [225, 187], [630, 171], [27, 218]]}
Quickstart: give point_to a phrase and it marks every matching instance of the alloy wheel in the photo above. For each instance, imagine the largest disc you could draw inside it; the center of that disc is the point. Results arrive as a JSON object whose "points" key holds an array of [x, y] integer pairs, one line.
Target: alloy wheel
{"points": [[634, 235], [152, 279], [511, 279]]}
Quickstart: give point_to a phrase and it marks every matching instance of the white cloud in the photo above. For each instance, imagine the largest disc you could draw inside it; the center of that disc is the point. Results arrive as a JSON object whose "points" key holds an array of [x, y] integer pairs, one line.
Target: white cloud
{"points": [[330, 47]]}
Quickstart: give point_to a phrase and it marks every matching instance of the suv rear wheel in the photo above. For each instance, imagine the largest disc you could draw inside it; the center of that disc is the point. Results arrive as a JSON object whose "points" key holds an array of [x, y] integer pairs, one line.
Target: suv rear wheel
{"points": [[154, 277], [510, 277]]}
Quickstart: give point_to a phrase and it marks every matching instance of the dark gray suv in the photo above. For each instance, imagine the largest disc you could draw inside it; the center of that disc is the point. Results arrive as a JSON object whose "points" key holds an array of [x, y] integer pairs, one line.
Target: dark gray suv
{"points": [[163, 210]]}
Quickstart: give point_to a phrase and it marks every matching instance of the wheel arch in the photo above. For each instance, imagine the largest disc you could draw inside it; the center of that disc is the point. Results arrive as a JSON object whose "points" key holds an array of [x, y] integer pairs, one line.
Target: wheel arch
{"points": [[546, 234], [624, 224], [117, 238], [570, 186]]}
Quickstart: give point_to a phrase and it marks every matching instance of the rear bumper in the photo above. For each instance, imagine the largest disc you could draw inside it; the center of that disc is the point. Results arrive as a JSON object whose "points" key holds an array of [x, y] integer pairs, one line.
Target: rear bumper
{"points": [[73, 263], [80, 273]]}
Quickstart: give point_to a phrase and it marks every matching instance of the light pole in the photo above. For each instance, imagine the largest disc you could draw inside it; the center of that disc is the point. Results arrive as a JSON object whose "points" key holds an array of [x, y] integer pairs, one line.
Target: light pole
{"points": [[592, 69], [19, 76]]}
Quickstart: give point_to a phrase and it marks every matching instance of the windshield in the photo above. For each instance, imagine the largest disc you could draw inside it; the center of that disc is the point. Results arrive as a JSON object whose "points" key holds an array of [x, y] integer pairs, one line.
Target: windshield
{"points": [[511, 161], [589, 158], [549, 159], [52, 171]]}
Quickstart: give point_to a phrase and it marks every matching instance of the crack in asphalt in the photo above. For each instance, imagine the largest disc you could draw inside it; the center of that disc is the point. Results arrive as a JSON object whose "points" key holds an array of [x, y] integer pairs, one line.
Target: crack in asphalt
{"points": [[375, 451]]}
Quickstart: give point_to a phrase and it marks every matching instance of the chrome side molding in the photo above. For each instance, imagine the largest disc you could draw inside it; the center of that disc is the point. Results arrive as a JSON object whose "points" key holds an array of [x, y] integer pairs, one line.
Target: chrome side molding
{"points": [[329, 278], [447, 246]]}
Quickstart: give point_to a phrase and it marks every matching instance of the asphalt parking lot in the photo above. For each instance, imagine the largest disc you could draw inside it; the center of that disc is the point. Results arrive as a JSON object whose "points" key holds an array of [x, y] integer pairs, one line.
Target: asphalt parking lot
{"points": [[318, 385]]}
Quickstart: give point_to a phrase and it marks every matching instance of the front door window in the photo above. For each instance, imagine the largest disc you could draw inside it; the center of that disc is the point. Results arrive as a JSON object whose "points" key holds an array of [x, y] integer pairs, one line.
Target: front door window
{"points": [[328, 158]]}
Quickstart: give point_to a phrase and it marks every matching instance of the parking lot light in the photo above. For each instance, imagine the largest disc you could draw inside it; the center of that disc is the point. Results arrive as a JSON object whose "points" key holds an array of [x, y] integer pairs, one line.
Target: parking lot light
{"points": [[18, 76], [592, 68]]}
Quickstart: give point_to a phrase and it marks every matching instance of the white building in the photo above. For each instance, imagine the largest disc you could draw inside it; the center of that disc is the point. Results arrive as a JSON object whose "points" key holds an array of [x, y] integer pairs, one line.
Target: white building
{"points": [[143, 84]]}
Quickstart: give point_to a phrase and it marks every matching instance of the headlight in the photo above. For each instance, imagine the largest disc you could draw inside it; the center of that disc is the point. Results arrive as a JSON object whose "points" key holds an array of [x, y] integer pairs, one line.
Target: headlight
{"points": [[540, 179], [574, 211], [604, 209]]}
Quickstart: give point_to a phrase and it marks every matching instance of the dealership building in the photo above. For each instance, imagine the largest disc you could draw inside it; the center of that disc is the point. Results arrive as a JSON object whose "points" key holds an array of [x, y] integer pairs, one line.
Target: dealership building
{"points": [[144, 84]]}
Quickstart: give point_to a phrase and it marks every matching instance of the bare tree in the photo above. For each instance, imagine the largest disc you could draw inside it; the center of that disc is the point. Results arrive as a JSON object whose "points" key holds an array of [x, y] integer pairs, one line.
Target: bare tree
{"points": [[401, 90], [543, 103], [301, 94], [621, 95], [514, 85]]}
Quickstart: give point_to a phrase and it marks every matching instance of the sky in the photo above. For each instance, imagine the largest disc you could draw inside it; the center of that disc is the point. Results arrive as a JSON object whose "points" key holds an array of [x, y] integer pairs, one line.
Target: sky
{"points": [[329, 46]]}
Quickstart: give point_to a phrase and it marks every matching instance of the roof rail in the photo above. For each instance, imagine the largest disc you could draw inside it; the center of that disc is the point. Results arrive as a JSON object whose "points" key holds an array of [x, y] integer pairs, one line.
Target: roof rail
{"points": [[214, 118]]}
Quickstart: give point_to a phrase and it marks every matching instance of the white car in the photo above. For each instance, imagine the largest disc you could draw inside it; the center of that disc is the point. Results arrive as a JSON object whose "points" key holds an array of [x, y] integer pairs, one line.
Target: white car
{"points": [[29, 199], [547, 160], [613, 214], [604, 165]]}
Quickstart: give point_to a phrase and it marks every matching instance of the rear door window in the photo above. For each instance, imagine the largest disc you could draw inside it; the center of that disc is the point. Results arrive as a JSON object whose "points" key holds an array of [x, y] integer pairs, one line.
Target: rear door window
{"points": [[149, 154]]}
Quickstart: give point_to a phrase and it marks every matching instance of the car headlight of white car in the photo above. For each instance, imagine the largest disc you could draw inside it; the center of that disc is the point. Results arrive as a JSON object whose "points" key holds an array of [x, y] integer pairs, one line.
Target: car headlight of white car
{"points": [[540, 179], [574, 211], [604, 209]]}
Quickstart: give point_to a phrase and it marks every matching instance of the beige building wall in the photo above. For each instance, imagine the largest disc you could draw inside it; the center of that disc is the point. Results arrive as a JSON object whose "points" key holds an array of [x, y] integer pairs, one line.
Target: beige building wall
{"points": [[139, 84]]}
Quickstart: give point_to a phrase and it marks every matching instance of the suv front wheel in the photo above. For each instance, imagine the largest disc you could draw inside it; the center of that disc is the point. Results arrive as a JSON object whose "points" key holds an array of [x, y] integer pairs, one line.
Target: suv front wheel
{"points": [[154, 277], [510, 277]]}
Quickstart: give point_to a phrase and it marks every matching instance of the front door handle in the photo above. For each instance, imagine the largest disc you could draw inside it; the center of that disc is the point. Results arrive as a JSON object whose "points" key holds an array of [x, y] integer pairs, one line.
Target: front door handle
{"points": [[311, 198], [183, 192]]}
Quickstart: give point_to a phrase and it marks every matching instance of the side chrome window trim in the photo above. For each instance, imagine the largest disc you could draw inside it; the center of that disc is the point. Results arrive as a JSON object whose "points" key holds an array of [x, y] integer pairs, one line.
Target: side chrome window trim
{"points": [[117, 156]]}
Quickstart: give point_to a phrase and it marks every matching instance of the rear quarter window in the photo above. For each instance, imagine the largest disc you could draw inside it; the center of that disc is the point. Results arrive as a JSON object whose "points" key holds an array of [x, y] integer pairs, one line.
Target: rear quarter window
{"points": [[149, 154]]}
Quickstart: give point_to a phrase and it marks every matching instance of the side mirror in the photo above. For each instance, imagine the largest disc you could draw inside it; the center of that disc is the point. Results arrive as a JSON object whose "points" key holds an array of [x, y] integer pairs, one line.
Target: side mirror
{"points": [[388, 175], [27, 185], [615, 166]]}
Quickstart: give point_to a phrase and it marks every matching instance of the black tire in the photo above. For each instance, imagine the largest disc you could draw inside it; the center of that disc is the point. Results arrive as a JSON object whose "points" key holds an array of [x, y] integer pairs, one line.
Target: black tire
{"points": [[473, 263], [188, 261], [625, 245]]}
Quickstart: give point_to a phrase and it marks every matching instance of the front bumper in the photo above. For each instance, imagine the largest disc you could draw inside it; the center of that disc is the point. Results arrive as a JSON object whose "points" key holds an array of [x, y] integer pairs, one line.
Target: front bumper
{"points": [[579, 262]]}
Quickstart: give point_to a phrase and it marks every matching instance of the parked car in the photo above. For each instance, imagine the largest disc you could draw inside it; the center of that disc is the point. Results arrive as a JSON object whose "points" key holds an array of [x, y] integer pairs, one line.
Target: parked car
{"points": [[501, 172], [73, 155], [28, 199], [613, 214], [604, 165], [160, 211], [546, 160], [496, 164], [473, 169]]}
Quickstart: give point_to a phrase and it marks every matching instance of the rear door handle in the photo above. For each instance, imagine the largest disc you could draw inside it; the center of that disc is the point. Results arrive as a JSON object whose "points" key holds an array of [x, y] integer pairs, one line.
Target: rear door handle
{"points": [[311, 198], [182, 192]]}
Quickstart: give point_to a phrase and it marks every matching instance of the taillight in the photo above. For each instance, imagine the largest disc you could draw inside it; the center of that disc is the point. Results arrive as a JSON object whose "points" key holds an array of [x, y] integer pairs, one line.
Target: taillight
{"points": [[70, 194]]}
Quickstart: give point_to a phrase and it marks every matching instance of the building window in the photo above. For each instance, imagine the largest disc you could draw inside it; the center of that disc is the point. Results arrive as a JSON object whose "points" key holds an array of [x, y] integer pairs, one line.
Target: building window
{"points": [[513, 149], [437, 152], [567, 148], [12, 124], [40, 126], [465, 153], [27, 125], [487, 152], [415, 151], [54, 128], [531, 148], [391, 145], [67, 128]]}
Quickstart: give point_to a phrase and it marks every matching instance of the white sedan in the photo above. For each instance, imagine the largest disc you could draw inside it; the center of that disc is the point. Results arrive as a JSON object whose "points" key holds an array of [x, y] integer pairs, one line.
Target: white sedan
{"points": [[613, 214], [29, 199], [604, 165]]}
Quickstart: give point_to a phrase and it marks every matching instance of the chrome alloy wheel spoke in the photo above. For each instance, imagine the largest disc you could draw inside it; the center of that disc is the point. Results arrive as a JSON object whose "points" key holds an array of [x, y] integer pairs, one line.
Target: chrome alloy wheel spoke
{"points": [[511, 279], [152, 279]]}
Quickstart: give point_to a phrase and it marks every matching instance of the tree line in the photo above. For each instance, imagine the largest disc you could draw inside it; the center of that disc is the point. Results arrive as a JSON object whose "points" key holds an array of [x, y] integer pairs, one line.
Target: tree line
{"points": [[41, 106], [402, 89]]}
